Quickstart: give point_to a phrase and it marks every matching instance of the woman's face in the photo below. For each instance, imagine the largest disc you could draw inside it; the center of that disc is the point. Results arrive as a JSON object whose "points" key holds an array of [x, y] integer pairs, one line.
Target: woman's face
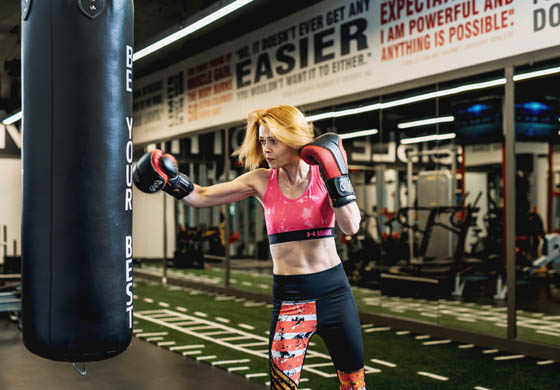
{"points": [[276, 153]]}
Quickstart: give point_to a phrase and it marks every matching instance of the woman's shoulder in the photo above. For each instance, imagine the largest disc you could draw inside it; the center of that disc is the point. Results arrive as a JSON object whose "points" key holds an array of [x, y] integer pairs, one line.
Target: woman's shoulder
{"points": [[262, 173], [257, 177]]}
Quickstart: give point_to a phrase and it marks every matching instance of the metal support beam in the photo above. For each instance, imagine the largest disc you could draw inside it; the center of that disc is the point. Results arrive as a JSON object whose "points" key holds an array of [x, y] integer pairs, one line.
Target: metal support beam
{"points": [[509, 199]]}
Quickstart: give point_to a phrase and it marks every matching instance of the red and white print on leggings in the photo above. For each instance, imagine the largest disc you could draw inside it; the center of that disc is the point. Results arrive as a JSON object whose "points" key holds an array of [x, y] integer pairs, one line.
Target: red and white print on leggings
{"points": [[297, 322]]}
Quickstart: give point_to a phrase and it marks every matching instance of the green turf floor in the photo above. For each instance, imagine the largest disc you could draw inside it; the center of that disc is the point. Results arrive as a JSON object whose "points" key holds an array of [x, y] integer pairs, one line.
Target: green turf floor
{"points": [[465, 368], [534, 327]]}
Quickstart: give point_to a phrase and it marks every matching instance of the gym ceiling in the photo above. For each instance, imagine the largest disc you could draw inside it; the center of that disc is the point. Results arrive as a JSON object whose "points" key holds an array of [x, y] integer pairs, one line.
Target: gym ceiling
{"points": [[155, 19]]}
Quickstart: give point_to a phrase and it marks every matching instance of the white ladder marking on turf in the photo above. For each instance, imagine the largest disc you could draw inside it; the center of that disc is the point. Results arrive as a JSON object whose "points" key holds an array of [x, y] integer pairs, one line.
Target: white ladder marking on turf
{"points": [[433, 376], [254, 344], [198, 313], [218, 332], [161, 315], [256, 375], [548, 333], [221, 362], [466, 346], [154, 339], [383, 363], [241, 335], [545, 362], [181, 309], [509, 357], [166, 343], [380, 329], [188, 353], [152, 334], [481, 388], [235, 338], [224, 298], [402, 332], [242, 368], [224, 320], [201, 327], [254, 304], [186, 323], [245, 326], [209, 357], [422, 337], [436, 342], [489, 351], [181, 347]]}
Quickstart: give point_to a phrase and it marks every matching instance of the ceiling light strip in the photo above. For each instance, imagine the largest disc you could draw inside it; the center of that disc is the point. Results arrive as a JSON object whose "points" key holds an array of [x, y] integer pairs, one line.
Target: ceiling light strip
{"points": [[409, 100], [361, 133], [190, 28], [426, 122], [428, 138], [538, 73]]}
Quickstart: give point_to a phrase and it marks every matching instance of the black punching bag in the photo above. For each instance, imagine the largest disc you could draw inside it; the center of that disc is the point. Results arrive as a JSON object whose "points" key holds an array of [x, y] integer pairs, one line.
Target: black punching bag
{"points": [[77, 194]]}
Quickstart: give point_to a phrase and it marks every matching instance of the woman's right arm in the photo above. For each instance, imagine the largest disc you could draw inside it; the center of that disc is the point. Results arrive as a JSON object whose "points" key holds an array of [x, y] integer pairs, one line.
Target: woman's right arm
{"points": [[156, 171], [232, 191]]}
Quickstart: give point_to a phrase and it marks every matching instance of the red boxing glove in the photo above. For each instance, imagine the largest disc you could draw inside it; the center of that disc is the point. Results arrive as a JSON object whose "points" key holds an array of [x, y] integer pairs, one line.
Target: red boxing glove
{"points": [[156, 171], [327, 152]]}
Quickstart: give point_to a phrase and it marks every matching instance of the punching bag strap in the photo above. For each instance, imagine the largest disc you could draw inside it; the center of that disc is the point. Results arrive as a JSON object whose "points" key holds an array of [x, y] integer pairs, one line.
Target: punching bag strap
{"points": [[83, 371], [92, 8]]}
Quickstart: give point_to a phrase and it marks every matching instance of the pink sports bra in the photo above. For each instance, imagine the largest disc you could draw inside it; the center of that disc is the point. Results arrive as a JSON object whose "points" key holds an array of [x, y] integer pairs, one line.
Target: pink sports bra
{"points": [[310, 216]]}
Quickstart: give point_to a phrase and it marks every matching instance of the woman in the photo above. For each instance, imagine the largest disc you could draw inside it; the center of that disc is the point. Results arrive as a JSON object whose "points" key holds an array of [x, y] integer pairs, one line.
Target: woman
{"points": [[305, 190]]}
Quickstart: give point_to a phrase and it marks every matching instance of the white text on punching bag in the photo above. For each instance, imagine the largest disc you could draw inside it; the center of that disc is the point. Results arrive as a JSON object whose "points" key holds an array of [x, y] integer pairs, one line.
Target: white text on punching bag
{"points": [[128, 195], [128, 68], [129, 150], [128, 244]]}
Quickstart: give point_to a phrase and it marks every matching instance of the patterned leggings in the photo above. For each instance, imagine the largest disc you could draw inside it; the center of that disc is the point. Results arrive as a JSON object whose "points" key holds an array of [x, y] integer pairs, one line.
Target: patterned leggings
{"points": [[319, 303]]}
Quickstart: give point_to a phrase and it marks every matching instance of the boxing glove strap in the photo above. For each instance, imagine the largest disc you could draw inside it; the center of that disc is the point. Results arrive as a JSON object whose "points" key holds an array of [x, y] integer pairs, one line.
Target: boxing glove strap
{"points": [[179, 187], [340, 190]]}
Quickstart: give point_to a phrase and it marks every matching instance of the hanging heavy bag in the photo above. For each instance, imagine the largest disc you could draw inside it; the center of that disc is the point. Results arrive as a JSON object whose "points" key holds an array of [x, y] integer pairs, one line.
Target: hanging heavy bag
{"points": [[77, 177]]}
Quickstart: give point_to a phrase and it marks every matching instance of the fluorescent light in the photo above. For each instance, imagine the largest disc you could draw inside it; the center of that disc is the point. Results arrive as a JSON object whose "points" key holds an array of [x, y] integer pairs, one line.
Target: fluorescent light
{"points": [[425, 122], [427, 138], [350, 111], [190, 28], [538, 73], [412, 99], [12, 119], [361, 133]]}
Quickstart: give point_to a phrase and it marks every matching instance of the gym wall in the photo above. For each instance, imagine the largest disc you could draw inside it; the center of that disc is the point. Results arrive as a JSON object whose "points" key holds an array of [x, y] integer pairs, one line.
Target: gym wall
{"points": [[147, 225], [10, 206]]}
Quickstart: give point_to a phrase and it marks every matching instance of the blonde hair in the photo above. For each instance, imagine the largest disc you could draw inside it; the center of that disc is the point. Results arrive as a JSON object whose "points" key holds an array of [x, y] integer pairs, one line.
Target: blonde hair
{"points": [[286, 123]]}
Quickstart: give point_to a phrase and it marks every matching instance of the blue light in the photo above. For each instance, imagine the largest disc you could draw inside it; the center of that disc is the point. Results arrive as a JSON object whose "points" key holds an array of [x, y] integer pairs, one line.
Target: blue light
{"points": [[534, 106], [477, 108]]}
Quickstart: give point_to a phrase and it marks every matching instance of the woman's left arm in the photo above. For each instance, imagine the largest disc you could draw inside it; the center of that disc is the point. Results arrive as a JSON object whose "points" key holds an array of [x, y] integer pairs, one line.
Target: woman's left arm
{"points": [[348, 218]]}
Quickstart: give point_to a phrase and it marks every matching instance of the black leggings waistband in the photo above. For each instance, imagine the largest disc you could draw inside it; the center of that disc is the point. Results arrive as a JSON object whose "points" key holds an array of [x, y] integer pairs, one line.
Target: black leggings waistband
{"points": [[310, 286]]}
